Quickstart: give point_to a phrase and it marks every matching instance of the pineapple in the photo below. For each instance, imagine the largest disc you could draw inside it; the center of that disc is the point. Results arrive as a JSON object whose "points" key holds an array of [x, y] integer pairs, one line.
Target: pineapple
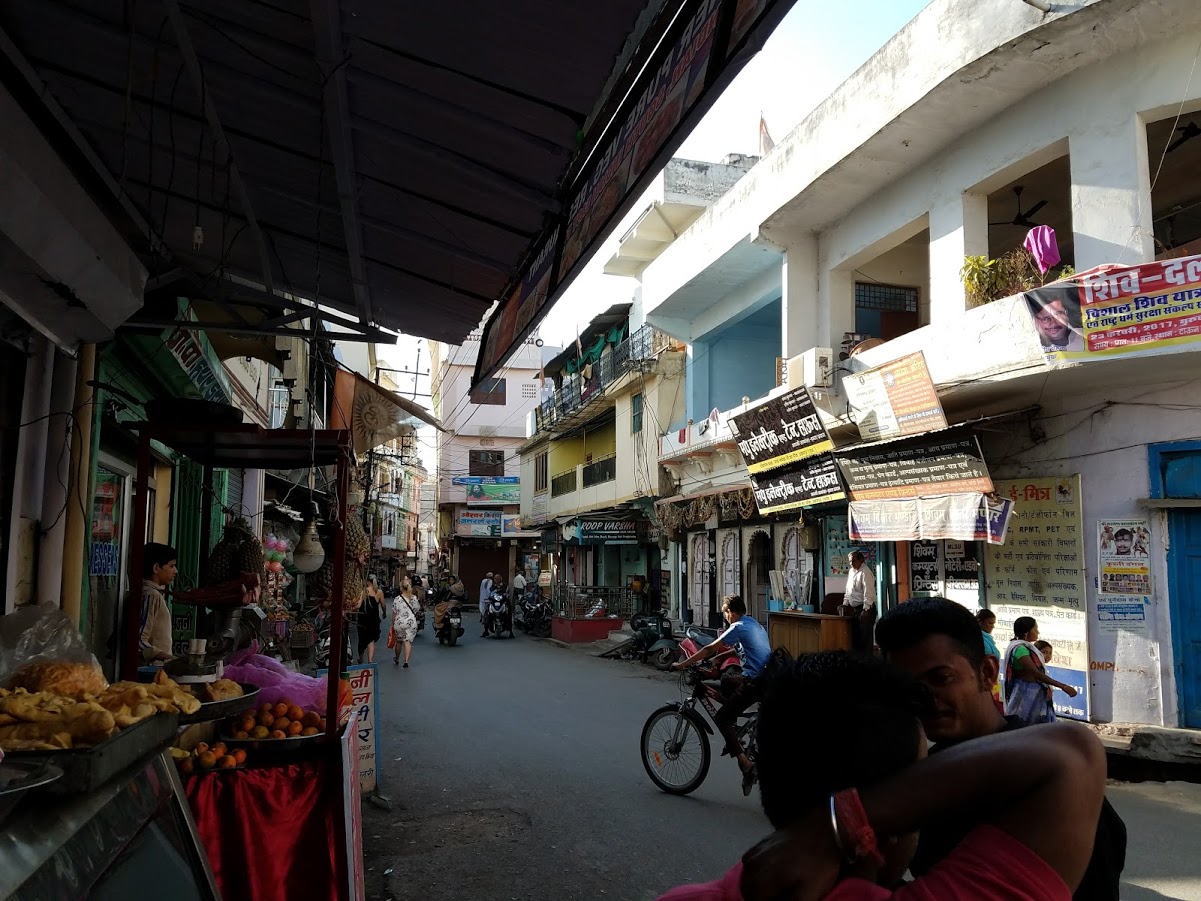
{"points": [[239, 551], [321, 583], [358, 545], [355, 586]]}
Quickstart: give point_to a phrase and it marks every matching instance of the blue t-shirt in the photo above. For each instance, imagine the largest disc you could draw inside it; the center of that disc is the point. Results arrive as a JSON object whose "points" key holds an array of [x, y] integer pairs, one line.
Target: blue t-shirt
{"points": [[749, 639], [990, 646]]}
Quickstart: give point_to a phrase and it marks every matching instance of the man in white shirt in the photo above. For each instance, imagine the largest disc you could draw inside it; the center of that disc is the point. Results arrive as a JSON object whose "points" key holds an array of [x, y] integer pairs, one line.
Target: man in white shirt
{"points": [[859, 601], [518, 588]]}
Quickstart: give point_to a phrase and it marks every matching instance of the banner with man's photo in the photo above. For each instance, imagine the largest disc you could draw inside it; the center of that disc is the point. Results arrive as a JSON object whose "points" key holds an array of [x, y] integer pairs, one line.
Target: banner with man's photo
{"points": [[1119, 310]]}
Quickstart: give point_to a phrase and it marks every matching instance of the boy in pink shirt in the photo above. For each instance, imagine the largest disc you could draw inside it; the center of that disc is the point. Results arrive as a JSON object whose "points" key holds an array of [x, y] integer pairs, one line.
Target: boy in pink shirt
{"points": [[845, 780]]}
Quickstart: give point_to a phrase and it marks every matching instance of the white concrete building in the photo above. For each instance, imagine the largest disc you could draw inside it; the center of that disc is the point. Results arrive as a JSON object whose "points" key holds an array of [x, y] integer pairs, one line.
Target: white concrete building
{"points": [[973, 124], [479, 472]]}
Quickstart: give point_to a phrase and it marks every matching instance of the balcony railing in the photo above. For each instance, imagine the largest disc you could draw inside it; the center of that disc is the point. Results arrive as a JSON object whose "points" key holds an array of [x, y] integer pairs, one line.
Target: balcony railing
{"points": [[577, 601], [563, 483], [600, 471], [642, 347]]}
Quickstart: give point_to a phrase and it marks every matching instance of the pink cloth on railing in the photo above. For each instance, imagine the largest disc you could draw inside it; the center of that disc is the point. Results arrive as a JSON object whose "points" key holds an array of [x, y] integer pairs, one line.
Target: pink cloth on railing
{"points": [[1040, 241]]}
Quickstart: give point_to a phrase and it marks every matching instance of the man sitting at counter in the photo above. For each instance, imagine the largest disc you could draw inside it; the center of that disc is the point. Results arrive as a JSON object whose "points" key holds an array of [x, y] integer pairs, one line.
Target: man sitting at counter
{"points": [[860, 601]]}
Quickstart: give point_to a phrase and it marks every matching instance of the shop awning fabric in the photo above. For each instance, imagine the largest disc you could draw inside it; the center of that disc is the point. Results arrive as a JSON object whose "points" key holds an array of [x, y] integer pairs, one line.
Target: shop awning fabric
{"points": [[404, 165]]}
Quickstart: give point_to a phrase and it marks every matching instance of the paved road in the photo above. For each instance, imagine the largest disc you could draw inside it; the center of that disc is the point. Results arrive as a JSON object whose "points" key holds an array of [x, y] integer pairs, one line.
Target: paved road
{"points": [[515, 774]]}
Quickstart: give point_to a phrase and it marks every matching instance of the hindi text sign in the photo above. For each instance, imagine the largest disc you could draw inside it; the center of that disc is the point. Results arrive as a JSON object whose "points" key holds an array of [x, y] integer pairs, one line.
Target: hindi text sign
{"points": [[895, 399], [781, 430]]}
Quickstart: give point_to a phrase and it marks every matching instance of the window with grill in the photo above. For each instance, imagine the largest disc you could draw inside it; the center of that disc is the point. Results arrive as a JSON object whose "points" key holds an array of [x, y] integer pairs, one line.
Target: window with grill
{"points": [[485, 463], [489, 391], [542, 471], [636, 414], [529, 389], [890, 298]]}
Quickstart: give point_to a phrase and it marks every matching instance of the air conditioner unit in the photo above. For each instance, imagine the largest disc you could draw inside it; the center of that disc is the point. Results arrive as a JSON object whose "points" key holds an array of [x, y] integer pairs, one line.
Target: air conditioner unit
{"points": [[813, 369]]}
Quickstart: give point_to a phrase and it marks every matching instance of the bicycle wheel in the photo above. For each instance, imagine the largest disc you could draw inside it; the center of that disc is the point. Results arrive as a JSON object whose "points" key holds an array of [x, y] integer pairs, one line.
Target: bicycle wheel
{"points": [[675, 751]]}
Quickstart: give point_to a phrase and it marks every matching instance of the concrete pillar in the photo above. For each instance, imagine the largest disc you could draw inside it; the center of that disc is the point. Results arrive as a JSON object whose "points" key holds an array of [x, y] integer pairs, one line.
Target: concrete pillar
{"points": [[798, 308], [30, 472], [1111, 194], [56, 478], [698, 405], [958, 229], [836, 312]]}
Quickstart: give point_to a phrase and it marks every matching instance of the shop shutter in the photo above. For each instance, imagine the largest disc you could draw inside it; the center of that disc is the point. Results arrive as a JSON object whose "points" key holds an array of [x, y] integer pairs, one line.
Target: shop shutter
{"points": [[233, 490]]}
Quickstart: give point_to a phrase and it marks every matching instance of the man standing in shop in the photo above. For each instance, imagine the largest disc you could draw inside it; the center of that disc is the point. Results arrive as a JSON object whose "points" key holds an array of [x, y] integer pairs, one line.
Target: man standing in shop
{"points": [[859, 601], [154, 637]]}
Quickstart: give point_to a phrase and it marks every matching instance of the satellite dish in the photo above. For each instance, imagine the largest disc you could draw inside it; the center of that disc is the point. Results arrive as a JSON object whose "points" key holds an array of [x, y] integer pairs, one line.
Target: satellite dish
{"points": [[866, 345]]}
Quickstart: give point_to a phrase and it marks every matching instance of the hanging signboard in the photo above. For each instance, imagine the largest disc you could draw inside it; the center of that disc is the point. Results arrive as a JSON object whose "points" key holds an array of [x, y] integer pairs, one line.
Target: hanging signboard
{"points": [[479, 523], [609, 531], [779, 431], [1120, 310], [702, 48], [895, 399], [1039, 571], [910, 470], [805, 484], [490, 491], [1124, 557], [962, 517]]}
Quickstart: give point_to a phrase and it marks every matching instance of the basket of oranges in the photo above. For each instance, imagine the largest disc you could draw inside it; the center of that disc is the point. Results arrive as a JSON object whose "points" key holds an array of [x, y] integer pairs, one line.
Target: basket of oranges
{"points": [[280, 726], [206, 758]]}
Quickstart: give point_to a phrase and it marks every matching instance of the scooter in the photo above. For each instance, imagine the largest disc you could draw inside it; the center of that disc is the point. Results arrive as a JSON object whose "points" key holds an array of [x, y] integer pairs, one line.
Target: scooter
{"points": [[452, 624], [533, 614], [497, 619]]}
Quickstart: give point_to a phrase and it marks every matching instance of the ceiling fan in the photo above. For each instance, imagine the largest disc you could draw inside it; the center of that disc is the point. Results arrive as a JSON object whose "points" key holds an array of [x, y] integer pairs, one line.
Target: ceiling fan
{"points": [[1023, 219], [1187, 133]]}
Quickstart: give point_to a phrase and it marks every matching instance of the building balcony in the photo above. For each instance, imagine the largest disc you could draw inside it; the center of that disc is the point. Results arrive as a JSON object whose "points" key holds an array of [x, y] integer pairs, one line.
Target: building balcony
{"points": [[564, 483], [586, 394], [591, 486], [599, 471]]}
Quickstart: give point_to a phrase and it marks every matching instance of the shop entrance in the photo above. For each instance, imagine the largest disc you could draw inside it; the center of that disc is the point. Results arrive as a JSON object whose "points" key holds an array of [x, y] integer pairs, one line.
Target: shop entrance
{"points": [[698, 587], [758, 575], [476, 561], [1184, 568]]}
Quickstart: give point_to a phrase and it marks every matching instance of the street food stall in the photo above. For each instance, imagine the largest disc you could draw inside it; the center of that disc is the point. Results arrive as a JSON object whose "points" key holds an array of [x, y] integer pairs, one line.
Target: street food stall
{"points": [[207, 786]]}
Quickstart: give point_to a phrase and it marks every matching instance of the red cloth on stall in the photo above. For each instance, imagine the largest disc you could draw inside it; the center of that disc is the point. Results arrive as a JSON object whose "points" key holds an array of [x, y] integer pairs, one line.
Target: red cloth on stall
{"points": [[269, 833]]}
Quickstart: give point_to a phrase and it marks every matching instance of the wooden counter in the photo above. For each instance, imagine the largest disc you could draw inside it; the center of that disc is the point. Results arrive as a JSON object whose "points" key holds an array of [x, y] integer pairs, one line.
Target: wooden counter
{"points": [[802, 633]]}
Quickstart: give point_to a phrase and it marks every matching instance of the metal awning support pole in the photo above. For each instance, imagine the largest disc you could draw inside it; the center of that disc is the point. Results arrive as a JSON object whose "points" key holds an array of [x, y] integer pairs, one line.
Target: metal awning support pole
{"points": [[327, 37], [131, 659], [192, 61]]}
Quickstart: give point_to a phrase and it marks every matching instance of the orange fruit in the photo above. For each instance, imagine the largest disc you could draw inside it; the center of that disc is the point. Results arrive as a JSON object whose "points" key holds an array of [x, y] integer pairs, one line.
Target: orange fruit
{"points": [[207, 760], [295, 728], [282, 724], [266, 719], [187, 767], [281, 709], [200, 748], [227, 762], [267, 708], [321, 725], [219, 750], [242, 735], [312, 718], [278, 734], [295, 713], [240, 756], [260, 732], [246, 723], [310, 730]]}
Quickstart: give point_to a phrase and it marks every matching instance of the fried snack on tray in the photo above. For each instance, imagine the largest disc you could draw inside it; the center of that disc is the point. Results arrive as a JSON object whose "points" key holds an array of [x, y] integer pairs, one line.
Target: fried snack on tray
{"points": [[91, 728], [58, 742], [72, 680], [221, 690]]}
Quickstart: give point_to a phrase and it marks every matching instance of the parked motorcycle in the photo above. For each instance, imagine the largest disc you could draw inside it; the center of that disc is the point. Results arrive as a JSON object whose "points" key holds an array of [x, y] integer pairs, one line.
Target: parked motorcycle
{"points": [[652, 642], [675, 739], [697, 637], [533, 614], [497, 617]]}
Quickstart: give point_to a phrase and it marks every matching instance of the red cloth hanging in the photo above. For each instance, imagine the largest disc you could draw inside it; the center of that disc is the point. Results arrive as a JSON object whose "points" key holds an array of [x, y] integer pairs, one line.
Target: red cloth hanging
{"points": [[269, 833]]}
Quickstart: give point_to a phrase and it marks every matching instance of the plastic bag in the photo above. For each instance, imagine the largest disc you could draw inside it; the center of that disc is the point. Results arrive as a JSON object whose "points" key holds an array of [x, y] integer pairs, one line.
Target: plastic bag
{"points": [[275, 681], [40, 633]]}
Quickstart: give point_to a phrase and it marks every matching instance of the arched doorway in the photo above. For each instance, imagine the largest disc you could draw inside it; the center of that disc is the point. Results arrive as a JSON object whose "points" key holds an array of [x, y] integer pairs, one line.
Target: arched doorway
{"points": [[730, 557], [758, 578]]}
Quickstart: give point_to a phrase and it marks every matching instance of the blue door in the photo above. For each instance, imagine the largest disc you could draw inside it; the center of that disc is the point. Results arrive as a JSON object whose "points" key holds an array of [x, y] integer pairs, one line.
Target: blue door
{"points": [[1184, 569]]}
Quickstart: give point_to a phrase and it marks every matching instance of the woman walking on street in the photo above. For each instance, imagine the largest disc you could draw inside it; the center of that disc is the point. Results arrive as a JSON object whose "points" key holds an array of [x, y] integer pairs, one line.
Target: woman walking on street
{"points": [[1027, 685], [371, 615], [404, 621]]}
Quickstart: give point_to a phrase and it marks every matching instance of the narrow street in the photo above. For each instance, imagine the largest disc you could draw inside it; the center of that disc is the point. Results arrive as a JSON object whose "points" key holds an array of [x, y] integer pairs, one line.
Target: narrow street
{"points": [[514, 773]]}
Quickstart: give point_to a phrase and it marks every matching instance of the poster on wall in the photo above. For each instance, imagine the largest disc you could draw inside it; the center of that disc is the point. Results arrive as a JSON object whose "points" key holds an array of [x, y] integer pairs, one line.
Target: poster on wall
{"points": [[838, 545], [895, 399], [1039, 571], [925, 568], [1120, 310], [479, 523], [949, 569], [781, 430], [1124, 558]]}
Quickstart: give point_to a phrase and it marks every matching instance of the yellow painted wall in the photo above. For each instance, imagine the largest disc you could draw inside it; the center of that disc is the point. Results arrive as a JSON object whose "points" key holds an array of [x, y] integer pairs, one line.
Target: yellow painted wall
{"points": [[601, 443], [566, 454]]}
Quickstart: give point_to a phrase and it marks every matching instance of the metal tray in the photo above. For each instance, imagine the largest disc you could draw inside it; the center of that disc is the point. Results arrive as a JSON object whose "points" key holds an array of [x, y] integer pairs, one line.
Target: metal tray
{"points": [[18, 777], [86, 769], [219, 710], [282, 745]]}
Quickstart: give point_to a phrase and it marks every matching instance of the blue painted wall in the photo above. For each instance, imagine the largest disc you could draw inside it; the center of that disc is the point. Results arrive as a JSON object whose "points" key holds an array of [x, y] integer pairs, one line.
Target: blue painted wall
{"points": [[736, 361]]}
